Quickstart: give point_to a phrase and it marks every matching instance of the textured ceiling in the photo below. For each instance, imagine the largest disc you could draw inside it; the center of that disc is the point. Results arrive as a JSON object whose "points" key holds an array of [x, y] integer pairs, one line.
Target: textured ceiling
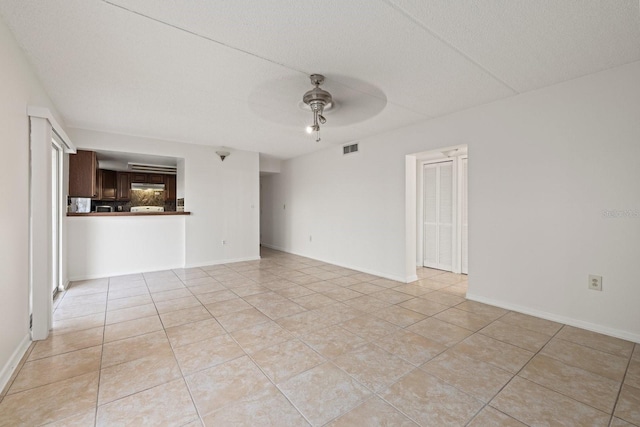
{"points": [[232, 73]]}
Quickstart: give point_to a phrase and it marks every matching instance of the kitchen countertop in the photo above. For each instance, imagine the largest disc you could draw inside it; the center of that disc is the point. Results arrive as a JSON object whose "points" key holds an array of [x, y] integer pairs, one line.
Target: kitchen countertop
{"points": [[126, 213]]}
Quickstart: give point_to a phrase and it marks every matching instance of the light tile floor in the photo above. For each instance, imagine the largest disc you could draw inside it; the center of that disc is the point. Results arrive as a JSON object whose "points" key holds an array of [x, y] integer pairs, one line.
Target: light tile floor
{"points": [[289, 341]]}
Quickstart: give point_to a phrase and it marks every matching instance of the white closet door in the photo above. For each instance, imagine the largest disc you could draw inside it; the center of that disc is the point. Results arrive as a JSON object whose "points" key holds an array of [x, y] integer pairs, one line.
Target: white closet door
{"points": [[438, 215], [465, 227]]}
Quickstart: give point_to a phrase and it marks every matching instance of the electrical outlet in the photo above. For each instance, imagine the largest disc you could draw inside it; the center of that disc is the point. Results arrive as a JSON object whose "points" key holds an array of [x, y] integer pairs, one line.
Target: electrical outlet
{"points": [[224, 242], [310, 238], [595, 282]]}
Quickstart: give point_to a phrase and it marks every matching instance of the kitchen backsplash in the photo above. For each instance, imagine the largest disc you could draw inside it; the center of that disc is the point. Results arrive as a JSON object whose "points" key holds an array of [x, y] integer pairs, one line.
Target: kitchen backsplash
{"points": [[147, 198], [138, 198]]}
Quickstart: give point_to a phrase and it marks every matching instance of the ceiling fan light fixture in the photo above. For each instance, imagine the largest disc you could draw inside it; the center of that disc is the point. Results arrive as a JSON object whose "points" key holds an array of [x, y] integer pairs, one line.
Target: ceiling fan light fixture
{"points": [[317, 99]]}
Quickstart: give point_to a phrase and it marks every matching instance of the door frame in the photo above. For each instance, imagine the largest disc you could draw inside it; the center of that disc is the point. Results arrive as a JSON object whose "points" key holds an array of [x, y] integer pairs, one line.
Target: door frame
{"points": [[57, 207], [42, 128], [461, 204], [417, 206]]}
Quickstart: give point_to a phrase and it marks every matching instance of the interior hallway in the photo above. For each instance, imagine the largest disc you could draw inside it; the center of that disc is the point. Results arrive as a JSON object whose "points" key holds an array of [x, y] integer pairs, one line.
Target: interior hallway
{"points": [[289, 341]]}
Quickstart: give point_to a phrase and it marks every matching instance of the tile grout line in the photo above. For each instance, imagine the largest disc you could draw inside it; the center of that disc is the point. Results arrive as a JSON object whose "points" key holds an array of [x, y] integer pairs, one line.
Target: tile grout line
{"points": [[445, 350], [387, 386], [254, 279], [104, 327], [246, 354], [484, 404], [514, 376], [298, 338], [270, 380], [562, 393], [326, 359], [377, 394], [624, 377], [182, 375], [139, 391]]}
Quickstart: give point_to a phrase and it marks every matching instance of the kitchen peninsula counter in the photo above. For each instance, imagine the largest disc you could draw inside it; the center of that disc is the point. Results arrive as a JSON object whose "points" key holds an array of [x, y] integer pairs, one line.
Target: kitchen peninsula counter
{"points": [[107, 244], [127, 213]]}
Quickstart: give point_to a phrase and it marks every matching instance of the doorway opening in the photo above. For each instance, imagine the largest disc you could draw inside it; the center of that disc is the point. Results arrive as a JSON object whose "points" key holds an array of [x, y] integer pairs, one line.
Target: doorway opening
{"points": [[437, 194]]}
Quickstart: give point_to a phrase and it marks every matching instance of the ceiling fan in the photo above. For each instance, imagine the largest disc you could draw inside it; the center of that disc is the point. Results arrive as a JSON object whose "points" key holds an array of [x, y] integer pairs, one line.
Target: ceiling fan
{"points": [[318, 100], [351, 101]]}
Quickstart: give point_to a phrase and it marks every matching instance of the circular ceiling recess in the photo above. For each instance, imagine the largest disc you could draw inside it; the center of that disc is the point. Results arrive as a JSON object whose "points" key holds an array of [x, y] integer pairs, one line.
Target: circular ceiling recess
{"points": [[280, 101]]}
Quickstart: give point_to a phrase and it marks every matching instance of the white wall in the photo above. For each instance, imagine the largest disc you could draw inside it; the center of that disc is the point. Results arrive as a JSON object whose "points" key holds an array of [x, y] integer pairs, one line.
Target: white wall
{"points": [[352, 206], [110, 246], [223, 198], [544, 166], [269, 164], [19, 89]]}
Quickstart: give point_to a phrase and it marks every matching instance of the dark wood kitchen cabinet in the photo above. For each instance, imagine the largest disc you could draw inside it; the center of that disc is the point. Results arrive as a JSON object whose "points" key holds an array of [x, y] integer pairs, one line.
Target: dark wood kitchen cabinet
{"points": [[98, 195], [138, 178], [155, 178], [123, 186], [83, 174], [170, 188], [108, 184], [147, 178]]}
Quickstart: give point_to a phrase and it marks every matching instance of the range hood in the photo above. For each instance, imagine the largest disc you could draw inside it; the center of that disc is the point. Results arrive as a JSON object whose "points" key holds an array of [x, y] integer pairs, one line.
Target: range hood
{"points": [[145, 186]]}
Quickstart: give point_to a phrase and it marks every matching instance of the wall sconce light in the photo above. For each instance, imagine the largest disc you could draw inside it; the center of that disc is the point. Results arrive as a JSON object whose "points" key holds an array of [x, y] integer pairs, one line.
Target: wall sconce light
{"points": [[223, 154]]}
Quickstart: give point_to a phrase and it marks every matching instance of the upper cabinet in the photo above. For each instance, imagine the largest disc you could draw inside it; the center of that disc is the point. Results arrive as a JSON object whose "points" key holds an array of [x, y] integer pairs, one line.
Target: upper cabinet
{"points": [[139, 178], [98, 195], [124, 186], [109, 184], [86, 180], [83, 174], [170, 188], [155, 178]]}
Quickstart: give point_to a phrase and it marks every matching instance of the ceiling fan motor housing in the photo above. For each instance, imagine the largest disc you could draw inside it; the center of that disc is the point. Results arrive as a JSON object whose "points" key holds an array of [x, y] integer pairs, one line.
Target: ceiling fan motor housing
{"points": [[317, 98]]}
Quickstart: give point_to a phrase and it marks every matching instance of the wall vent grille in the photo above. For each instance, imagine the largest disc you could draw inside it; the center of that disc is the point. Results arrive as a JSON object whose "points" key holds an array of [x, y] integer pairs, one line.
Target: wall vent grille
{"points": [[146, 168], [348, 149]]}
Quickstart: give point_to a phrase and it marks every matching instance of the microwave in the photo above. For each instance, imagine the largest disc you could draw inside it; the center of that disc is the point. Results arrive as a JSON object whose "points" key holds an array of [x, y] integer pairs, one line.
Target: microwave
{"points": [[104, 209]]}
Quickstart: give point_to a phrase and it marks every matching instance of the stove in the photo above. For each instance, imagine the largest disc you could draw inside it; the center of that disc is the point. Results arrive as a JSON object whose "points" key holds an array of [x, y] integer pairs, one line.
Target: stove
{"points": [[139, 209]]}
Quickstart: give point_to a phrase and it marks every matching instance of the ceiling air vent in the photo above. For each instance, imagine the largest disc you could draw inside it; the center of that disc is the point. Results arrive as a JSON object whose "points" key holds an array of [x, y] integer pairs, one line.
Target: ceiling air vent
{"points": [[146, 168], [348, 149]]}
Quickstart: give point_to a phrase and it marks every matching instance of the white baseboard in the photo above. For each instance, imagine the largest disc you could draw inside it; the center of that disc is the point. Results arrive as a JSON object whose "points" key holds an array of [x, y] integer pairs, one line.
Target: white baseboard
{"points": [[412, 278], [14, 360], [119, 273], [617, 333], [169, 267], [351, 267], [276, 248], [223, 261]]}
